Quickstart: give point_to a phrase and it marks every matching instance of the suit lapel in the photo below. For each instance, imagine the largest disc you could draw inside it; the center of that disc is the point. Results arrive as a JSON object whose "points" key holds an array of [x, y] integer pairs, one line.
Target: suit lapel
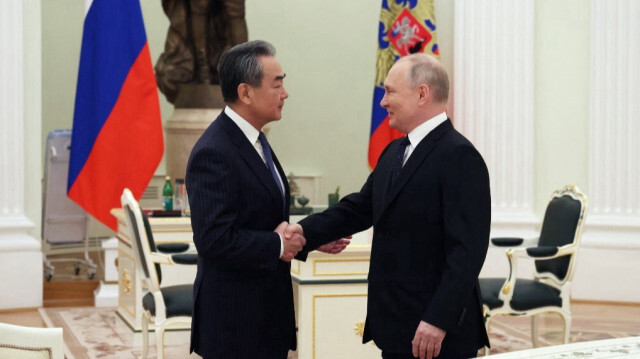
{"points": [[250, 155], [413, 163]]}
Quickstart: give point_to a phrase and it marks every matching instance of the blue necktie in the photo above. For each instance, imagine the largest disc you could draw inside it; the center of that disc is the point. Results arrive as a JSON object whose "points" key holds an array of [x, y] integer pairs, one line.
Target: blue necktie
{"points": [[269, 159], [397, 164]]}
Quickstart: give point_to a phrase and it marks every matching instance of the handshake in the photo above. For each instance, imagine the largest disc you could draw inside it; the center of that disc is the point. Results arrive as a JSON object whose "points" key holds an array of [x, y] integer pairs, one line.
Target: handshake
{"points": [[293, 241]]}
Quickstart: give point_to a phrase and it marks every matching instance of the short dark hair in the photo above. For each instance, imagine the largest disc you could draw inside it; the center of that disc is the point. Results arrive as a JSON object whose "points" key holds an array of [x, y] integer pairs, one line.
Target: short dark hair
{"points": [[240, 64]]}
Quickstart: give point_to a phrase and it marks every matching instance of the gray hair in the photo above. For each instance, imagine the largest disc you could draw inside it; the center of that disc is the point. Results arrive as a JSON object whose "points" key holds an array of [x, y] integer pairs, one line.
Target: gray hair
{"points": [[427, 70], [240, 64]]}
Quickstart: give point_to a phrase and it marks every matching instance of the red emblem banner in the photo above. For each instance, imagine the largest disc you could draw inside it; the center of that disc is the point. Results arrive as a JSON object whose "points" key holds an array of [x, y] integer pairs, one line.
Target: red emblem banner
{"points": [[407, 35]]}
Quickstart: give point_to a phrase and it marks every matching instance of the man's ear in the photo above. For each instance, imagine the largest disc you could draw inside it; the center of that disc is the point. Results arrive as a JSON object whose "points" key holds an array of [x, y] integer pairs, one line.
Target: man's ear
{"points": [[244, 93], [424, 93]]}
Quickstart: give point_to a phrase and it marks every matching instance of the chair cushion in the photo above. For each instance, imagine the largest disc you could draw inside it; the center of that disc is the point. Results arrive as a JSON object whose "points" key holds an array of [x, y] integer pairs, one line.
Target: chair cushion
{"points": [[187, 258], [528, 294], [506, 241], [178, 299], [489, 290], [172, 247]]}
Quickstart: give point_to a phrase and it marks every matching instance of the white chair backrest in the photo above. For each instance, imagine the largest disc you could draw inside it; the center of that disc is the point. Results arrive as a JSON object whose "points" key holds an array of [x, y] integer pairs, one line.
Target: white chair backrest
{"points": [[26, 342], [139, 240]]}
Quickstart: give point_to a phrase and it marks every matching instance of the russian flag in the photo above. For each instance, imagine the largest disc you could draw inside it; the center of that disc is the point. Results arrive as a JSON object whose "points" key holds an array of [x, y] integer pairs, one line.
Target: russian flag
{"points": [[381, 133], [405, 27], [117, 138]]}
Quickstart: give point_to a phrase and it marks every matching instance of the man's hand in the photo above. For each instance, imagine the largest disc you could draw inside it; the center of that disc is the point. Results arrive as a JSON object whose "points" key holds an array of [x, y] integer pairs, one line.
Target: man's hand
{"points": [[335, 247], [292, 241], [427, 341], [280, 228], [292, 229], [292, 246]]}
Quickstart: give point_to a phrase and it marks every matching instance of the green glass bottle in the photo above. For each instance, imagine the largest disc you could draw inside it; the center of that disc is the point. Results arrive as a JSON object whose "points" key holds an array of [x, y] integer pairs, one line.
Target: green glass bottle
{"points": [[167, 195]]}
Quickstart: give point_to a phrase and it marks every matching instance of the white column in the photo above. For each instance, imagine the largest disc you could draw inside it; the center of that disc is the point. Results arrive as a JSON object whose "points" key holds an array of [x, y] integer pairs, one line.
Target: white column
{"points": [[607, 267], [614, 124], [493, 96], [20, 253]]}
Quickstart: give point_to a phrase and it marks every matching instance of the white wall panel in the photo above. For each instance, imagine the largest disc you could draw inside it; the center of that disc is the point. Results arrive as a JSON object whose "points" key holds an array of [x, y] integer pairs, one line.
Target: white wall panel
{"points": [[20, 255], [614, 125], [493, 95]]}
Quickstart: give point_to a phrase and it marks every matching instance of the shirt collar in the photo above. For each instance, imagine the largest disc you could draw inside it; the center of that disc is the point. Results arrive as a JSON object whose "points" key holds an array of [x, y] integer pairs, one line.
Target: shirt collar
{"points": [[420, 132], [249, 131]]}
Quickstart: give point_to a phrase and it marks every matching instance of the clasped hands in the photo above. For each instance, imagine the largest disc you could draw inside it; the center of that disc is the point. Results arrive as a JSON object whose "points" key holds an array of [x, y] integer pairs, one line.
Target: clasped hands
{"points": [[293, 241]]}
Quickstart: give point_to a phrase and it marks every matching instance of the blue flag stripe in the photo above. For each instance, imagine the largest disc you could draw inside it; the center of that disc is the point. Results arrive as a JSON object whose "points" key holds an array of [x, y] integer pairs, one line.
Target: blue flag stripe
{"points": [[112, 39]]}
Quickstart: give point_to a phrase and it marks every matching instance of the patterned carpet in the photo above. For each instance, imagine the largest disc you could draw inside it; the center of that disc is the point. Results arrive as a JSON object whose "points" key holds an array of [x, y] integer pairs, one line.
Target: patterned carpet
{"points": [[100, 333]]}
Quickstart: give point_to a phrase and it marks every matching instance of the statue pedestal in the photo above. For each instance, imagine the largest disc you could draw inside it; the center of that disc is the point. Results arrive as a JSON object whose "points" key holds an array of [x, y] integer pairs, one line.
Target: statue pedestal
{"points": [[182, 130], [196, 106]]}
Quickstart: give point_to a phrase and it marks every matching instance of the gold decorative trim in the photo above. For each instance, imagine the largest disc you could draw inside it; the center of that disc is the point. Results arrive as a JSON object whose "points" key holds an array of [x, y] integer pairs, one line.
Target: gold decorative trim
{"points": [[345, 260], [122, 305], [359, 329], [506, 288], [126, 281], [25, 348], [313, 314]]}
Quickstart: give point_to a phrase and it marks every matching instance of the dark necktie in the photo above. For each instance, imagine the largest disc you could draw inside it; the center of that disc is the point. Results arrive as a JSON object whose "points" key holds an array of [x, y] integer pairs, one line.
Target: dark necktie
{"points": [[397, 164], [269, 159]]}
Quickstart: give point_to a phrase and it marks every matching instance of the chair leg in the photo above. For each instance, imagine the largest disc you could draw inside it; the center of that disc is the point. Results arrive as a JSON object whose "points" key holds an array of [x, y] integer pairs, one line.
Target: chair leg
{"points": [[567, 327], [145, 335], [485, 351], [534, 330], [160, 340]]}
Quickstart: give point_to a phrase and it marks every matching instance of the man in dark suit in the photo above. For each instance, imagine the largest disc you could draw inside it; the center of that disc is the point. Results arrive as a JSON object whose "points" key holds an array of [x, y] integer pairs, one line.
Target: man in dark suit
{"points": [[238, 193], [428, 200]]}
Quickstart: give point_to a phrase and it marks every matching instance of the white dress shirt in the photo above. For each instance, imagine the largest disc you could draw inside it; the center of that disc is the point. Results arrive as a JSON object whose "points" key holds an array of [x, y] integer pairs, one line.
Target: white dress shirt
{"points": [[420, 132], [252, 135]]}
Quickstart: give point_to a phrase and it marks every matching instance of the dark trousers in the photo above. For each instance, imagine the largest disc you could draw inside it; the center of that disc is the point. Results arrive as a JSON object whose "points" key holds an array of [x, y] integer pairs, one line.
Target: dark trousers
{"points": [[386, 355]]}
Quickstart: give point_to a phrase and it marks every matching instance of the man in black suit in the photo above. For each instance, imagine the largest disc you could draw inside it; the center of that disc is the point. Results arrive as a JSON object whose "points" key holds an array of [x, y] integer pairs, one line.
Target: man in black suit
{"points": [[429, 202], [238, 193]]}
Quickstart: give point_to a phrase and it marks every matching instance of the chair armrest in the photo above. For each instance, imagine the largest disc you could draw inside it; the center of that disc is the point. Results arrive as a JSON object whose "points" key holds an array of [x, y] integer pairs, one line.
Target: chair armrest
{"points": [[172, 247], [506, 241], [188, 258], [160, 258], [540, 252], [537, 253]]}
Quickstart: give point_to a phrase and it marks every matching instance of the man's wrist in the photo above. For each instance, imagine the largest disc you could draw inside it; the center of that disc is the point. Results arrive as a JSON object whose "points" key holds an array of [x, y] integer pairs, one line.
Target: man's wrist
{"points": [[281, 245]]}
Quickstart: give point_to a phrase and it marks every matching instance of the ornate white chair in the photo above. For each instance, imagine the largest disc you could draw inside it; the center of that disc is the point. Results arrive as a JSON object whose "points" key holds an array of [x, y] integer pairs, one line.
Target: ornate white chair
{"points": [[18, 342], [555, 259], [164, 306]]}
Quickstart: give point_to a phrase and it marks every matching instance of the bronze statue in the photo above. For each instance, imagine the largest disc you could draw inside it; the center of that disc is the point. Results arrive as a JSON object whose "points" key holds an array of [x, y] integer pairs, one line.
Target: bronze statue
{"points": [[199, 32]]}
